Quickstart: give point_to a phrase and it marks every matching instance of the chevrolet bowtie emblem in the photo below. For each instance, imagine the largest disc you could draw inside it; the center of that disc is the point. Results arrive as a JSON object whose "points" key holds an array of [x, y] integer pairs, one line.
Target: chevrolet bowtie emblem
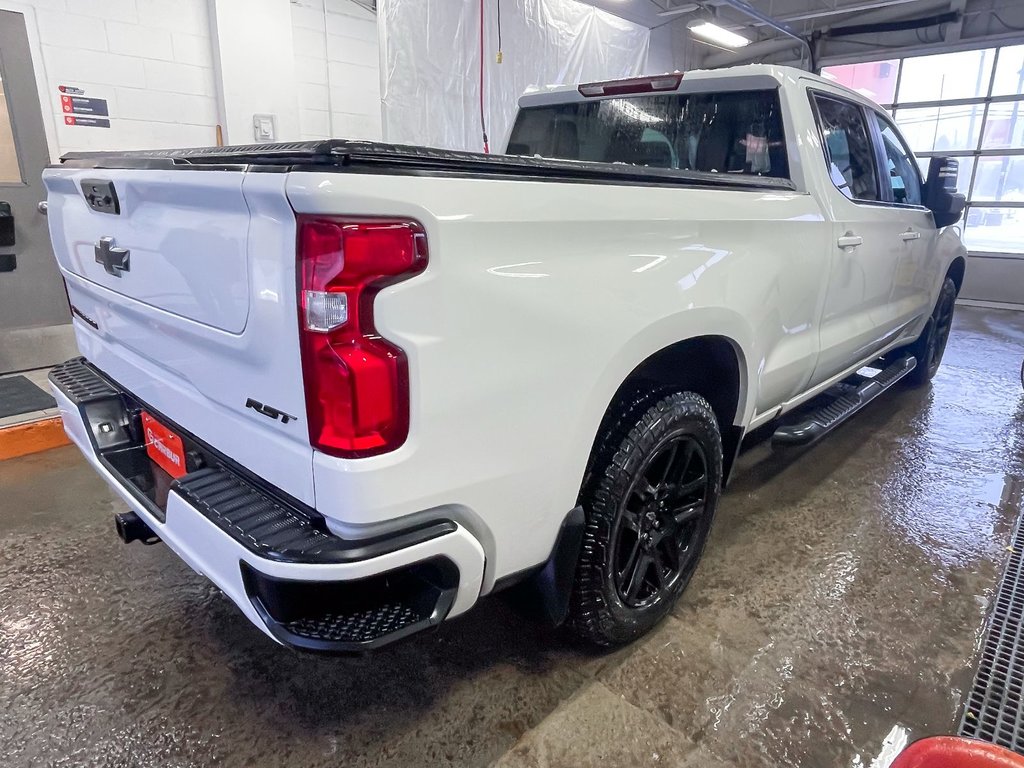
{"points": [[114, 260]]}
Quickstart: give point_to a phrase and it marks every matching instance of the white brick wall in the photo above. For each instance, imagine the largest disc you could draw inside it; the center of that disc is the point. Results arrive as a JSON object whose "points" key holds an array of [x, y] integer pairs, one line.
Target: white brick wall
{"points": [[340, 74], [151, 59]]}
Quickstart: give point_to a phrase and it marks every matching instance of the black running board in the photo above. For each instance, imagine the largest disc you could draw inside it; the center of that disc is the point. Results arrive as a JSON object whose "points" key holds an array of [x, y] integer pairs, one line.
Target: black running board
{"points": [[827, 418]]}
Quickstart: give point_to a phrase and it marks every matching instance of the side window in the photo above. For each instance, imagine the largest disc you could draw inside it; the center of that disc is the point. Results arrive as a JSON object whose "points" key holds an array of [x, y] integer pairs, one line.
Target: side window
{"points": [[848, 150], [904, 178]]}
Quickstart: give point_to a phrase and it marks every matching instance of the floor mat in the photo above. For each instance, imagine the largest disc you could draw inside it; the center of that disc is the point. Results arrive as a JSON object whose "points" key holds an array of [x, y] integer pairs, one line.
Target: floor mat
{"points": [[995, 705], [19, 395]]}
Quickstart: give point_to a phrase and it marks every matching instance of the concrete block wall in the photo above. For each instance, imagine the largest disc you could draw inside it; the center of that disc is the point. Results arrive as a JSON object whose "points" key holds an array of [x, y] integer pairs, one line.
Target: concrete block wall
{"points": [[337, 66], [151, 59]]}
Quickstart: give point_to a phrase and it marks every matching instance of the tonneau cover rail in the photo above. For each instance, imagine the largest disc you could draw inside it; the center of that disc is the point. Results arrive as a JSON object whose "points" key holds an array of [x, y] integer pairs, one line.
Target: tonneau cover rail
{"points": [[341, 155]]}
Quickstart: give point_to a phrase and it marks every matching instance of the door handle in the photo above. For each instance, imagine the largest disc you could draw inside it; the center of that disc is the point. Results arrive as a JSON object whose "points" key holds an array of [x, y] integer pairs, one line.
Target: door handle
{"points": [[910, 235], [8, 261], [7, 239], [849, 240]]}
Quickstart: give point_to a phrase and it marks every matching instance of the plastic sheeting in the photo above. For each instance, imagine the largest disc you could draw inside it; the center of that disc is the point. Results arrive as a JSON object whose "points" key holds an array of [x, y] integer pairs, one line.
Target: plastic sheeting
{"points": [[431, 55]]}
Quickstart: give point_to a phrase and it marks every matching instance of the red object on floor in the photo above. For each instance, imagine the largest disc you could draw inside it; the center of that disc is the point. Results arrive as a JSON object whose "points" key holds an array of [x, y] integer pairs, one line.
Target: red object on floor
{"points": [[955, 752]]}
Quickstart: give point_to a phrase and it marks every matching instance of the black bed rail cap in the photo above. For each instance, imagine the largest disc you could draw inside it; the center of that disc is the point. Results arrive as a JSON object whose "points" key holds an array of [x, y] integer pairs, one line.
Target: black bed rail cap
{"points": [[347, 155]]}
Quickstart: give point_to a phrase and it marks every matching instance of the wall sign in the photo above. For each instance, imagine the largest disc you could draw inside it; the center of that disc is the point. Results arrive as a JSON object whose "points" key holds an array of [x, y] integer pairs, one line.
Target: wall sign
{"points": [[81, 111], [92, 122], [79, 105]]}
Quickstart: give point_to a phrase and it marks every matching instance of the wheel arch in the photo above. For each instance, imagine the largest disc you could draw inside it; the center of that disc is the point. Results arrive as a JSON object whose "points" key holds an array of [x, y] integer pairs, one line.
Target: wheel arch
{"points": [[957, 270], [712, 365]]}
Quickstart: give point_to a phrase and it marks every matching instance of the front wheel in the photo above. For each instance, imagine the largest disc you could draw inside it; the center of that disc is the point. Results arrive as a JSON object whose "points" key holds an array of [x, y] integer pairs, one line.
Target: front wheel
{"points": [[928, 349], [649, 499]]}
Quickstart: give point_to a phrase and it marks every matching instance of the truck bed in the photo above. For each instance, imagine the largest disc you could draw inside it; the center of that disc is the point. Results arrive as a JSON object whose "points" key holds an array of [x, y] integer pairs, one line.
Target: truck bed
{"points": [[345, 156]]}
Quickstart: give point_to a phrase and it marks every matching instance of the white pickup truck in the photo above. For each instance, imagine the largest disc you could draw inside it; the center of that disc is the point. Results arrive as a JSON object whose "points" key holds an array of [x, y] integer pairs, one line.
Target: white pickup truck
{"points": [[359, 385]]}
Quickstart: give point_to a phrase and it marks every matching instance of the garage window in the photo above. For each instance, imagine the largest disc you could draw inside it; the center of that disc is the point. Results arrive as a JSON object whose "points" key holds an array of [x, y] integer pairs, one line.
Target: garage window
{"points": [[733, 132], [968, 105]]}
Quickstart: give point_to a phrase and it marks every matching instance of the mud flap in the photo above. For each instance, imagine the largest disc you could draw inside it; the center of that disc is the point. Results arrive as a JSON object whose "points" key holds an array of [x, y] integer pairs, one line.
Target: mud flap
{"points": [[553, 582]]}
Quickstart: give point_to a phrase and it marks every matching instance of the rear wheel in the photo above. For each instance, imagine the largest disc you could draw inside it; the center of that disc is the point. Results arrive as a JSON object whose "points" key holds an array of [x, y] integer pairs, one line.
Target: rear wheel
{"points": [[649, 497], [931, 345]]}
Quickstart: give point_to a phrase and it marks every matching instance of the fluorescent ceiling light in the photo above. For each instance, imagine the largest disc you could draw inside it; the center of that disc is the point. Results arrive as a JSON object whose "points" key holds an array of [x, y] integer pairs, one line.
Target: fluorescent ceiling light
{"points": [[717, 35]]}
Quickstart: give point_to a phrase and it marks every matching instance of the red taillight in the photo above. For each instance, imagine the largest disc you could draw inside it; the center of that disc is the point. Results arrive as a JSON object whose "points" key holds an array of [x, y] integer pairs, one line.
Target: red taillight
{"points": [[633, 85], [357, 383]]}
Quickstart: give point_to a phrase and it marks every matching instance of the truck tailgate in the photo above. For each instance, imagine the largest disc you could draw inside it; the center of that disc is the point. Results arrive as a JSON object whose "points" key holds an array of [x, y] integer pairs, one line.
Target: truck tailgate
{"points": [[187, 234], [201, 317]]}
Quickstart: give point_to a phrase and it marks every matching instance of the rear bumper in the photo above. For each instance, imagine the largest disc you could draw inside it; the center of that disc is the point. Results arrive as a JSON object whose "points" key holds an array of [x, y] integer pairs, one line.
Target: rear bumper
{"points": [[275, 558]]}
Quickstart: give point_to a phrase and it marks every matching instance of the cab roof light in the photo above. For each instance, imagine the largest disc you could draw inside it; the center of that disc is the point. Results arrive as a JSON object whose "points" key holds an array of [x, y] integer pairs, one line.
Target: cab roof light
{"points": [[633, 85]]}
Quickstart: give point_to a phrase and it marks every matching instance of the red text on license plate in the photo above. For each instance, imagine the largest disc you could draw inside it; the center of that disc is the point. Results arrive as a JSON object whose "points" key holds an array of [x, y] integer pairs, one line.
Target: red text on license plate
{"points": [[163, 446]]}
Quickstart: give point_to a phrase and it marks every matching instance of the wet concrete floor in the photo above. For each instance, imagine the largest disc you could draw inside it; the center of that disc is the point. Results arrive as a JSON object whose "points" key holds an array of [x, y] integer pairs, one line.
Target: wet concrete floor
{"points": [[837, 613]]}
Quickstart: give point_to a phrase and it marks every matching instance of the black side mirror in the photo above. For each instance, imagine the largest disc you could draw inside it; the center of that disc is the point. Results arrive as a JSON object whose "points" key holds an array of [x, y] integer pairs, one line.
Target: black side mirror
{"points": [[940, 195]]}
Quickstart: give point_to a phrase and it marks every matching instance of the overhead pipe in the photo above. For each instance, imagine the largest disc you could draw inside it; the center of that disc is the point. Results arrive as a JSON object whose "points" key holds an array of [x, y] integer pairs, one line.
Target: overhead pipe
{"points": [[868, 5], [777, 45], [894, 13], [893, 26]]}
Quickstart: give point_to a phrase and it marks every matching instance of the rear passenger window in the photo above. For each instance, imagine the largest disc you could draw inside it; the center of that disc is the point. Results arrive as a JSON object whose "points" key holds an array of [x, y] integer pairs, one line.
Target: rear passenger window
{"points": [[904, 178], [736, 132], [848, 150]]}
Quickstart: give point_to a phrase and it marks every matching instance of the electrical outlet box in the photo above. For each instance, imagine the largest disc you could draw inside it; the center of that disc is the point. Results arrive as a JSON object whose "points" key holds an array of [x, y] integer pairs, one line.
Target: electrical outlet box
{"points": [[264, 128]]}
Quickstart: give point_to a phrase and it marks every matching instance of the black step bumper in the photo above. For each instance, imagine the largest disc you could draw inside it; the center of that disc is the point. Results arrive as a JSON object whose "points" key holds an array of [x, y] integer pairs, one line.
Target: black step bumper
{"points": [[275, 557]]}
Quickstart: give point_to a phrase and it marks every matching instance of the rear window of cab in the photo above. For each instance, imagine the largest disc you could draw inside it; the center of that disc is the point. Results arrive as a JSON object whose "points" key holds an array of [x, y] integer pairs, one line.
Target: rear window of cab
{"points": [[737, 132]]}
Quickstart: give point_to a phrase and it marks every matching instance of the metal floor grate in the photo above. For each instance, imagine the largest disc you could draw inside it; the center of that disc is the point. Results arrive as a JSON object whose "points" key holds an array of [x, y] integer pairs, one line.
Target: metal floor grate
{"points": [[994, 709]]}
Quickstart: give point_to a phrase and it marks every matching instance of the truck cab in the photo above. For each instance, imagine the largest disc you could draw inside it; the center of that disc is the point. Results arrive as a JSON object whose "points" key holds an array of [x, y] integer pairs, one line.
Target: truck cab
{"points": [[835, 145]]}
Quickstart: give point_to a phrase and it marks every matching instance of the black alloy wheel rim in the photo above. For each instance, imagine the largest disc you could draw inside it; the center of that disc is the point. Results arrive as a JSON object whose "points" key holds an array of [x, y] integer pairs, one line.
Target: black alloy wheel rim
{"points": [[661, 523], [942, 323]]}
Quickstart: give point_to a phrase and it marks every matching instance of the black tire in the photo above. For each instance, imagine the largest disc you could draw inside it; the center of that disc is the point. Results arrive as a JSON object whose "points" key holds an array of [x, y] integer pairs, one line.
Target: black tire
{"points": [[930, 346], [669, 437]]}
